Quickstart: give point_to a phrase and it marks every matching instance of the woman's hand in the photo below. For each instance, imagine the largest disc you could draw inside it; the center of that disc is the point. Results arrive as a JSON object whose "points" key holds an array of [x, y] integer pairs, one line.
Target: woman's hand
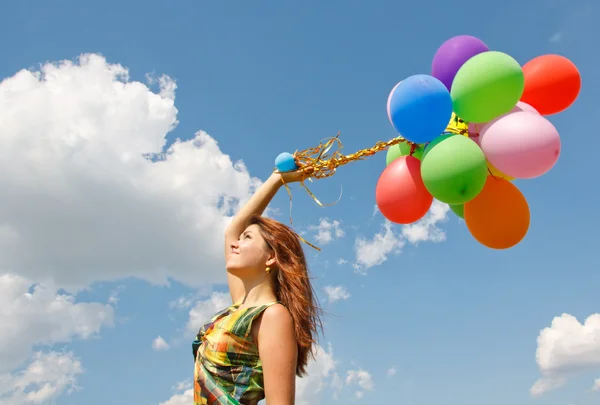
{"points": [[301, 174]]}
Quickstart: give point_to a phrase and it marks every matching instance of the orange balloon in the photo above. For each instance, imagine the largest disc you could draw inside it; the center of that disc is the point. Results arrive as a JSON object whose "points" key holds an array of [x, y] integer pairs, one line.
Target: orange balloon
{"points": [[552, 83], [499, 216], [401, 195]]}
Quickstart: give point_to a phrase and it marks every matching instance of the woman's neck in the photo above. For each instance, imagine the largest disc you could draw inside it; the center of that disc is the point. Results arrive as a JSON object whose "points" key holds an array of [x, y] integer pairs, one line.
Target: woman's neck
{"points": [[258, 293]]}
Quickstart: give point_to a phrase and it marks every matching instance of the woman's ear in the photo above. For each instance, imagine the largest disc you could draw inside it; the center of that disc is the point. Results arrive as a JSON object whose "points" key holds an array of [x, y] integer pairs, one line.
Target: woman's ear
{"points": [[271, 261]]}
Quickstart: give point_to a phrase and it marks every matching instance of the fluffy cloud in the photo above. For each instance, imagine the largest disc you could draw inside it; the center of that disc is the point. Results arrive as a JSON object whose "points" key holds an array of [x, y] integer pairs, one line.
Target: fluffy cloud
{"points": [[427, 230], [27, 308], [205, 309], [375, 251], [320, 374], [566, 348], [160, 344], [327, 231], [336, 293], [47, 377], [361, 378], [89, 194], [185, 397]]}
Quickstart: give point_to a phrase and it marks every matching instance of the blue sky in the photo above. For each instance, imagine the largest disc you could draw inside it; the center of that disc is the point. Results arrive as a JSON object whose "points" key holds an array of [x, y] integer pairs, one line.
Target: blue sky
{"points": [[102, 253]]}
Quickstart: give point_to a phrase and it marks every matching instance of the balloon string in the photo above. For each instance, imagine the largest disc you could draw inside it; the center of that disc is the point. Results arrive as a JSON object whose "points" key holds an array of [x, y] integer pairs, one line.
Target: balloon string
{"points": [[287, 188], [325, 164]]}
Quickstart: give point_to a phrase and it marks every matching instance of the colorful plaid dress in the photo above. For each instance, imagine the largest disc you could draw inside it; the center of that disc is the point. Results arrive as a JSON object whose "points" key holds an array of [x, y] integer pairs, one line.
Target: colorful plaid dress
{"points": [[228, 370]]}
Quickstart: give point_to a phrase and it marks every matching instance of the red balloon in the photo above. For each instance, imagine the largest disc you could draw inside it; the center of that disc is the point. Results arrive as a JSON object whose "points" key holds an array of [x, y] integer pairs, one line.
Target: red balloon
{"points": [[401, 195], [552, 83]]}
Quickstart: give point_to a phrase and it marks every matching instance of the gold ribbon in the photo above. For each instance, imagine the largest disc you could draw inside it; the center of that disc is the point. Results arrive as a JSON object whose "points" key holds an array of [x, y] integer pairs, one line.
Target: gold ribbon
{"points": [[325, 163]]}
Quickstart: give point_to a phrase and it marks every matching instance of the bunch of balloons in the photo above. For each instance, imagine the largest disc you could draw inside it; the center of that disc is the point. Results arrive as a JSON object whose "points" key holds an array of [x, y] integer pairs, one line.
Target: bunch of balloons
{"points": [[503, 105]]}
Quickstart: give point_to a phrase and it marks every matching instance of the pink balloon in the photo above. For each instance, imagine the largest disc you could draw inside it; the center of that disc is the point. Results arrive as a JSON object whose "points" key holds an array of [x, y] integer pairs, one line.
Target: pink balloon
{"points": [[388, 102], [522, 144], [475, 129]]}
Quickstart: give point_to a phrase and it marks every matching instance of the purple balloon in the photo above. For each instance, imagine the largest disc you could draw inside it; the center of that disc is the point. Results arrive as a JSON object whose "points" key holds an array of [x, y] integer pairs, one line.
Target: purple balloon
{"points": [[452, 55]]}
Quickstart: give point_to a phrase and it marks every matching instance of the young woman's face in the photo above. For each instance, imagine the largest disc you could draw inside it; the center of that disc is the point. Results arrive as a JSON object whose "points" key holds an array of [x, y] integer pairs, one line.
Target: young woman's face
{"points": [[250, 253]]}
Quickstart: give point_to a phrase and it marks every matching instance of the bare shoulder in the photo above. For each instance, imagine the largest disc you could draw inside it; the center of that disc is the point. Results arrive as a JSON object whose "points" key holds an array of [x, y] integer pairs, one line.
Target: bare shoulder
{"points": [[275, 322], [277, 314]]}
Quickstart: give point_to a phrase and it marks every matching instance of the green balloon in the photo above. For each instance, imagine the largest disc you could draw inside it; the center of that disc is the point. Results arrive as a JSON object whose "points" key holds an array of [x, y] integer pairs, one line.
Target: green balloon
{"points": [[454, 169], [435, 142], [402, 149], [486, 86], [458, 209]]}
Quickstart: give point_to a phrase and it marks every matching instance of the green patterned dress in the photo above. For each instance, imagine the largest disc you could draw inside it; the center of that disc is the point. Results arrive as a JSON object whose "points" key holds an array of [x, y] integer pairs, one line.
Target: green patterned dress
{"points": [[228, 370]]}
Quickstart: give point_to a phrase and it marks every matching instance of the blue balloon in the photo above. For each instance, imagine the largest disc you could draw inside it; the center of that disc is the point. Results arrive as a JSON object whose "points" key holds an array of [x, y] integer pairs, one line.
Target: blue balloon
{"points": [[420, 108], [285, 162]]}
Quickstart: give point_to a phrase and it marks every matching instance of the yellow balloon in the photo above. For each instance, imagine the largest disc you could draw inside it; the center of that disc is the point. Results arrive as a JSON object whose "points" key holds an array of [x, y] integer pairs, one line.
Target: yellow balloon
{"points": [[457, 126], [497, 173]]}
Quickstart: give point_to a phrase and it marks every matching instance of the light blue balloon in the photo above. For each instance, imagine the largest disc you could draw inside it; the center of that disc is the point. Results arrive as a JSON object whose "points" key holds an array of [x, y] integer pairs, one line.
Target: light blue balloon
{"points": [[420, 108], [285, 162]]}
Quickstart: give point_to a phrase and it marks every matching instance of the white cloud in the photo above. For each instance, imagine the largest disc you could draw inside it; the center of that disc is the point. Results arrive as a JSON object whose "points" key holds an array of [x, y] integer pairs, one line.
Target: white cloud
{"points": [[596, 386], [362, 379], [160, 344], [82, 202], [374, 252], [556, 37], [566, 348], [320, 374], [47, 377], [181, 398], [337, 385], [336, 293], [392, 371], [183, 302], [184, 394], [327, 231], [376, 210], [546, 384], [341, 261], [205, 309], [427, 230], [113, 298], [35, 314]]}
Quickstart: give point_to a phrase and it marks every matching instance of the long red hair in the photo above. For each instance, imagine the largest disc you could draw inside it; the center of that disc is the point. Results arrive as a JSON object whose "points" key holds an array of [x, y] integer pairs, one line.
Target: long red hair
{"points": [[292, 285]]}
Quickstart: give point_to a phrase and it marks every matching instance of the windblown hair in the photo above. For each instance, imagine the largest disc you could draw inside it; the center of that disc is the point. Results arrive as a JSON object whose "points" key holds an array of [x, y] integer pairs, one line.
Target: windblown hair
{"points": [[292, 285]]}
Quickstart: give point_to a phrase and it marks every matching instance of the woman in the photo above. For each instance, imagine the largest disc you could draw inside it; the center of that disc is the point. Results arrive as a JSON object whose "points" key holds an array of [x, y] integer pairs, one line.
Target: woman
{"points": [[255, 348]]}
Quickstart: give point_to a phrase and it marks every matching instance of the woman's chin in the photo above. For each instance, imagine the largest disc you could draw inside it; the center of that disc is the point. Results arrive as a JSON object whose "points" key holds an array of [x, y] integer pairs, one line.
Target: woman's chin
{"points": [[240, 271], [233, 267]]}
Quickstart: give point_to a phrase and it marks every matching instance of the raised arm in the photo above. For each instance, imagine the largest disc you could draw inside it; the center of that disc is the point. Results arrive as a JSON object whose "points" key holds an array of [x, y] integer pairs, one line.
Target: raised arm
{"points": [[256, 205]]}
